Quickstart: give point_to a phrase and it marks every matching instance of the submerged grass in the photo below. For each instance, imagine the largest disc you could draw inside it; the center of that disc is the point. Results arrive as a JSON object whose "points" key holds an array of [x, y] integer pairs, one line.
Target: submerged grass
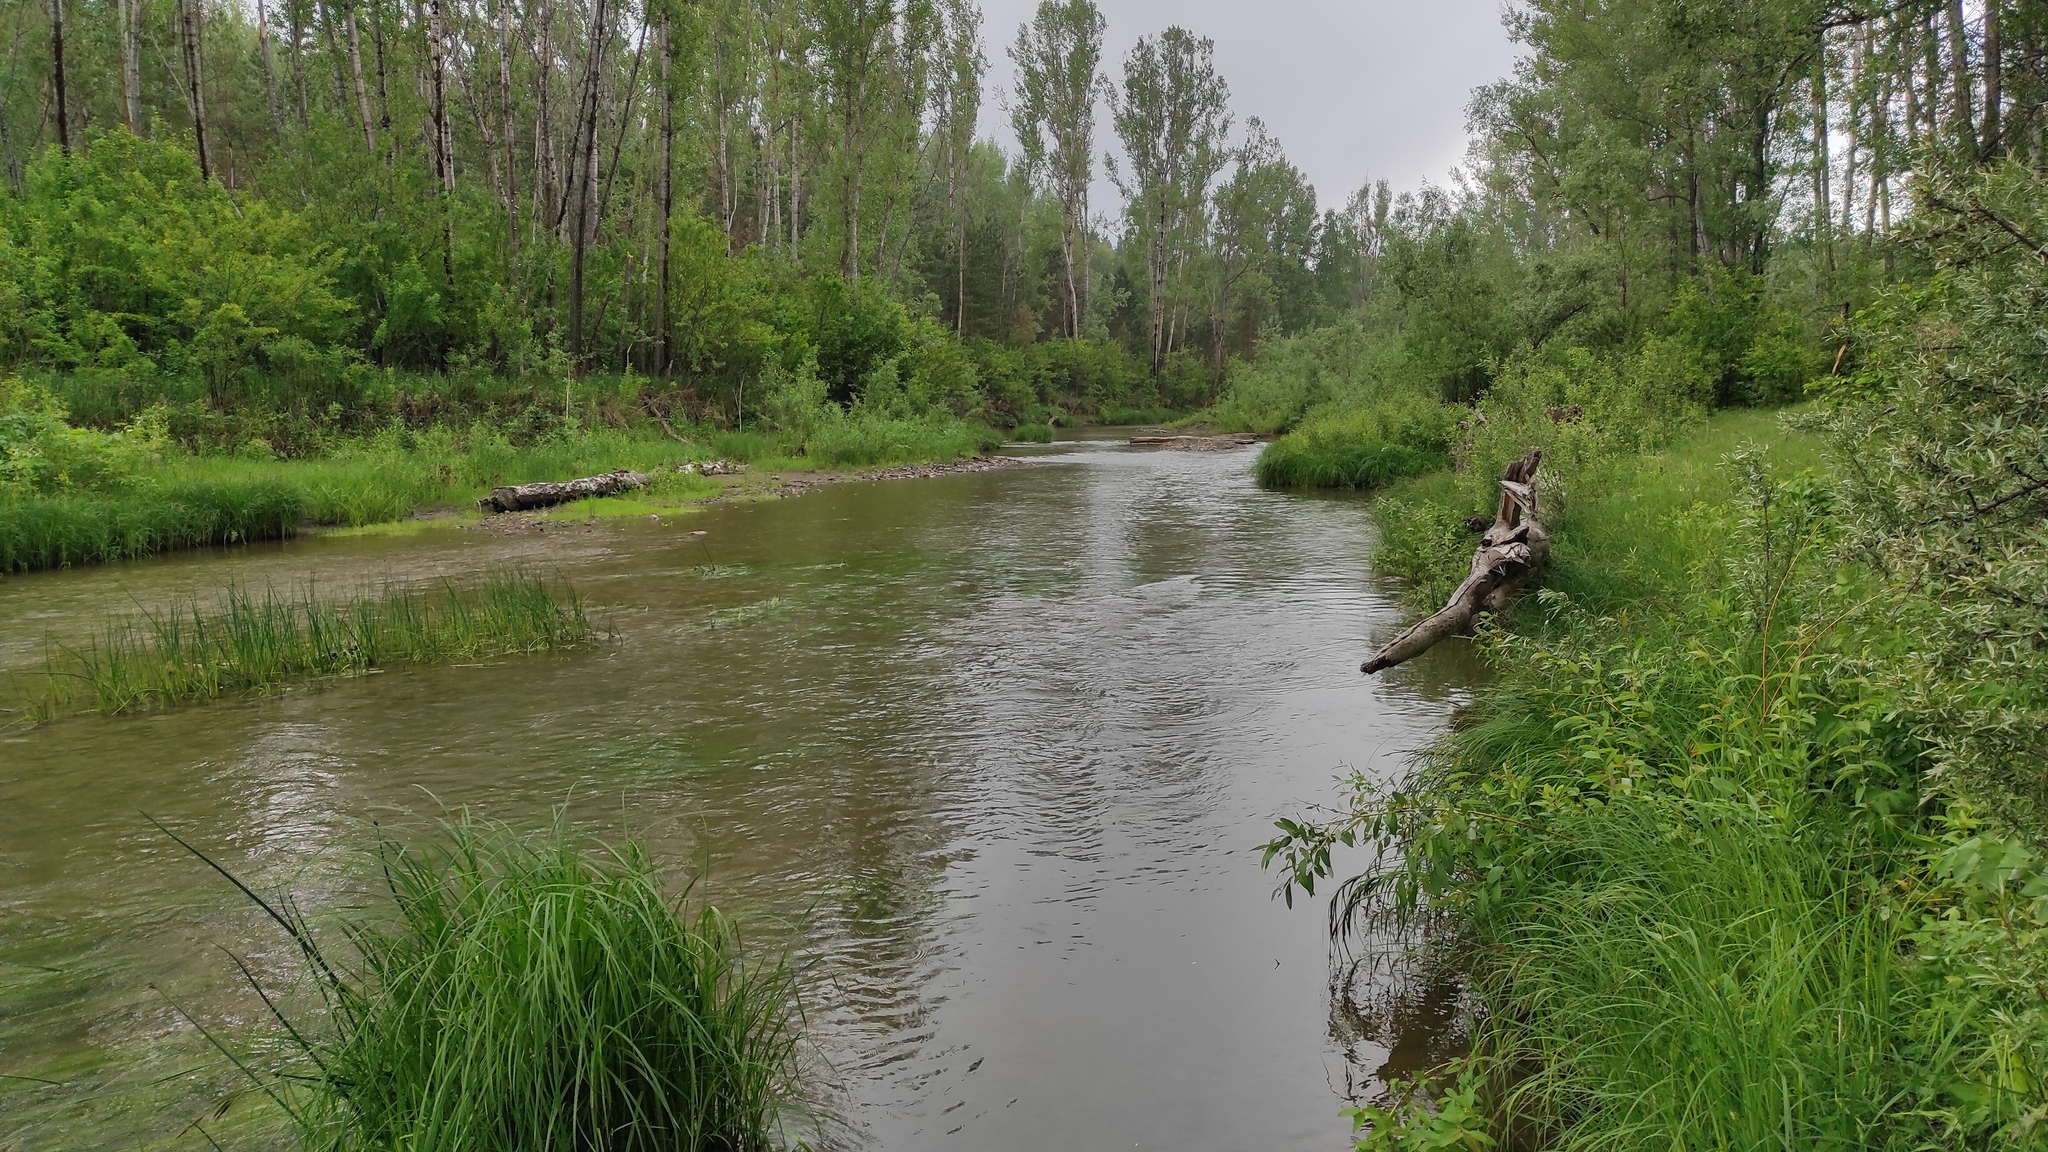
{"points": [[521, 994], [249, 643]]}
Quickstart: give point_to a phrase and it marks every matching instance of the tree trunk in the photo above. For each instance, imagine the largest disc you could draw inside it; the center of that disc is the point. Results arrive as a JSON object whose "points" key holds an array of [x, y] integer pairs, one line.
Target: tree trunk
{"points": [[1073, 300], [1959, 79], [665, 195], [57, 75], [189, 19], [1509, 556], [383, 80], [505, 114], [585, 186], [1994, 94], [355, 66], [131, 66], [294, 10], [525, 497], [437, 88], [269, 68]]}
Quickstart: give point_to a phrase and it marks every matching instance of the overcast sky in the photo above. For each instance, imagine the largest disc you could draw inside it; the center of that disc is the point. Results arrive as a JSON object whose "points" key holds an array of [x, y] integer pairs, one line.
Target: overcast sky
{"points": [[1354, 89]]}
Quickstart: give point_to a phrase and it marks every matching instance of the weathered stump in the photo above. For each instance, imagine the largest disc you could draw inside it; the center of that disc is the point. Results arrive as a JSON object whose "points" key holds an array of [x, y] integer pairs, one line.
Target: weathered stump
{"points": [[1509, 556], [547, 494]]}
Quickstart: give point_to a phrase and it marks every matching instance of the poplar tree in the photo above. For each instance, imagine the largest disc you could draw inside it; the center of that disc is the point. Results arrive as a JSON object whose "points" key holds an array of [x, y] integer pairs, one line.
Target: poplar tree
{"points": [[1058, 57]]}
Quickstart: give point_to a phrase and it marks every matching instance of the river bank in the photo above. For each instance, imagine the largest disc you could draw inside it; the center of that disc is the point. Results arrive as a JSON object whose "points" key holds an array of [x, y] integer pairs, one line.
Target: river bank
{"points": [[152, 498], [1686, 855]]}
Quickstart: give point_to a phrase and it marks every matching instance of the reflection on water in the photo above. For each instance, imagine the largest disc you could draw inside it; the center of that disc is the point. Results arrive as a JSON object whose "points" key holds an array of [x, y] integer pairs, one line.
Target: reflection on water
{"points": [[999, 746]]}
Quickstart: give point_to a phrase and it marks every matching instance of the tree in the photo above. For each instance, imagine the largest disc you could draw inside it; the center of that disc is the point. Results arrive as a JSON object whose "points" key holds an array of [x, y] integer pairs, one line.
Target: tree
{"points": [[1265, 234], [1058, 57], [1173, 117]]}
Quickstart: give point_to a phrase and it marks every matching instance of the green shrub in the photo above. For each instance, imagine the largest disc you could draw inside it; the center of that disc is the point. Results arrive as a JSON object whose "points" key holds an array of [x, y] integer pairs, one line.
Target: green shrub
{"points": [[1362, 448], [1032, 433]]}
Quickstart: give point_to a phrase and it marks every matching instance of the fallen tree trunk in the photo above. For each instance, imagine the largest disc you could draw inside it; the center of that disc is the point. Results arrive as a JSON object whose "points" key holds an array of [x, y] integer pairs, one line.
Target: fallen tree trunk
{"points": [[1196, 443], [523, 497], [1508, 557]]}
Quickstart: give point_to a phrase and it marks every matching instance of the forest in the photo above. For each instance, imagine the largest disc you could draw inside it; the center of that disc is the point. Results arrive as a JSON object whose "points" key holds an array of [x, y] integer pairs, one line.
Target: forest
{"points": [[1738, 846]]}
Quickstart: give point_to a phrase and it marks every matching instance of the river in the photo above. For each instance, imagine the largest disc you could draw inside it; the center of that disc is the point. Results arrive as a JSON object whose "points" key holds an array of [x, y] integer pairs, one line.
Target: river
{"points": [[999, 747]]}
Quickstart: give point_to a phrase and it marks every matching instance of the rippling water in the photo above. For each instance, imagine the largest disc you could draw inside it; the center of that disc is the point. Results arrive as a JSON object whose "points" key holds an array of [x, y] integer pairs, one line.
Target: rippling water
{"points": [[998, 747]]}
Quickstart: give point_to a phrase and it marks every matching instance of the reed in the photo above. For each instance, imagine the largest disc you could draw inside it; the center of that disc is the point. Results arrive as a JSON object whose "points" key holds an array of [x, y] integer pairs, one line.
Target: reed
{"points": [[247, 643], [520, 993]]}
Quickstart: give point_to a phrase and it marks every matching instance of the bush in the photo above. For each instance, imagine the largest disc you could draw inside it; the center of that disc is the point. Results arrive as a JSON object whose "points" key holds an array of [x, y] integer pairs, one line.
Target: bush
{"points": [[1362, 448], [1032, 433], [1335, 367]]}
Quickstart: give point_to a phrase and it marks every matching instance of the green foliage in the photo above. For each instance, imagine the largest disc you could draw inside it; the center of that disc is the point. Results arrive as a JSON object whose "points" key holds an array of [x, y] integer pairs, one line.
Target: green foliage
{"points": [[1942, 439], [527, 993], [1420, 1117], [195, 652], [858, 330], [1340, 365], [1750, 346], [41, 454], [1362, 447], [1032, 433], [139, 267]]}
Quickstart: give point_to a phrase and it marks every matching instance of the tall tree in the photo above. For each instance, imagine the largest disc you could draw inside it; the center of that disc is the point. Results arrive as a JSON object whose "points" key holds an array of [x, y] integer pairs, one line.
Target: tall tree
{"points": [[63, 112], [960, 109], [1058, 57], [1173, 116], [190, 18]]}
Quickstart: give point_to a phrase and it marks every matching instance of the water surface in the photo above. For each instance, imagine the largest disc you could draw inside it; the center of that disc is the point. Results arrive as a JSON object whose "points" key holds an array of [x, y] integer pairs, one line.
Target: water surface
{"points": [[1000, 744]]}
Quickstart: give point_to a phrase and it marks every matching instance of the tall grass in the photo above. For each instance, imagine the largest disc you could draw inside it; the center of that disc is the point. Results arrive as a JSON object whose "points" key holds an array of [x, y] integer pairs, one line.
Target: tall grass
{"points": [[1367, 447], [249, 643], [532, 994]]}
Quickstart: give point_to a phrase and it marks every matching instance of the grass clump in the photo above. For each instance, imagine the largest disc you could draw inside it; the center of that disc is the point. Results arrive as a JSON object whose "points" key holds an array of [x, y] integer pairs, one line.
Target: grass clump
{"points": [[247, 643], [522, 994], [1362, 447], [1032, 433]]}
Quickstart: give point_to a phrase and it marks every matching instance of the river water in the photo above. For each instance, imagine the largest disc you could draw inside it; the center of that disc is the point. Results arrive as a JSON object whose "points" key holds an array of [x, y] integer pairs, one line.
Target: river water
{"points": [[997, 747]]}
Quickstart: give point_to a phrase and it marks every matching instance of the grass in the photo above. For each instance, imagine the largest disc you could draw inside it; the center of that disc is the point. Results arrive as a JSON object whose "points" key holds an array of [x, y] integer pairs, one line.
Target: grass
{"points": [[1032, 433], [1627, 532], [523, 994], [1680, 843], [186, 501], [1367, 447], [247, 643]]}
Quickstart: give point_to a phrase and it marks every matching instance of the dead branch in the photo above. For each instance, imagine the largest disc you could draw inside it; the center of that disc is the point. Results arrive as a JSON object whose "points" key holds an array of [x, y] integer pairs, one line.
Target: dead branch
{"points": [[1509, 556]]}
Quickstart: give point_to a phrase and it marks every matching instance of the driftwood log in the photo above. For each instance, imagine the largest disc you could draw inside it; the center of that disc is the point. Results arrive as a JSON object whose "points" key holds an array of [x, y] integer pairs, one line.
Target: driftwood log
{"points": [[523, 497], [1509, 556], [1223, 442]]}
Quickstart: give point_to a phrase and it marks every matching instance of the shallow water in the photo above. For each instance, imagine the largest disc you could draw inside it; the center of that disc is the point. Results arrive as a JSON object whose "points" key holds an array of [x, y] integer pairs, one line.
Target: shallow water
{"points": [[999, 745]]}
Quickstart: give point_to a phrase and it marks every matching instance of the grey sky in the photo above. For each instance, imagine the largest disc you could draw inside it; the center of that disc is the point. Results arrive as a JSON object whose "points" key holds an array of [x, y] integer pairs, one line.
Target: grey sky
{"points": [[1354, 89]]}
